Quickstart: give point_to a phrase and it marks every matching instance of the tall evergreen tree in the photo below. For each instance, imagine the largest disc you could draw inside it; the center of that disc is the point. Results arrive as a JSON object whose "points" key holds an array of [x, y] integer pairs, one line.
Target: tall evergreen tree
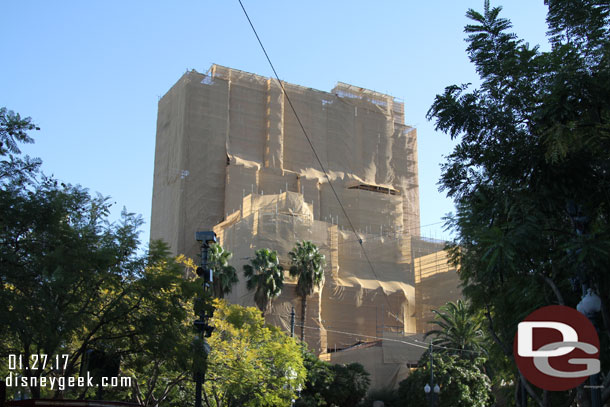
{"points": [[529, 174], [307, 264], [265, 275], [72, 282], [225, 275]]}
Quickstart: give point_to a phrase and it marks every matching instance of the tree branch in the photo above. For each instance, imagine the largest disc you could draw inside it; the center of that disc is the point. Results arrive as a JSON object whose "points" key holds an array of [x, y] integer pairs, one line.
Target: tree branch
{"points": [[529, 389], [551, 284], [495, 337]]}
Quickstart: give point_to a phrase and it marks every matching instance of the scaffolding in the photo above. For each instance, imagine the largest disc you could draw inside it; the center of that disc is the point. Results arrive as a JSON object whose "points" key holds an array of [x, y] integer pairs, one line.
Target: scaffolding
{"points": [[231, 156]]}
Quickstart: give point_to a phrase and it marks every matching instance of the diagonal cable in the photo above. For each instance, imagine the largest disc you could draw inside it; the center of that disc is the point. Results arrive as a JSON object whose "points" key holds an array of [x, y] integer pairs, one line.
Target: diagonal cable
{"points": [[310, 143]]}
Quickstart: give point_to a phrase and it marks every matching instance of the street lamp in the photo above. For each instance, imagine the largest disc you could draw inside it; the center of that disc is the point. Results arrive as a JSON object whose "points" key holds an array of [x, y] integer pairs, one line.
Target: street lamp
{"points": [[590, 305], [435, 393], [205, 310], [291, 375], [432, 387]]}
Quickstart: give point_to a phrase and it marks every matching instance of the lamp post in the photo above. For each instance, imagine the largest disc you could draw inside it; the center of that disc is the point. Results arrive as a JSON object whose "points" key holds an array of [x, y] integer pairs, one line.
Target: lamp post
{"points": [[432, 390], [590, 305], [291, 375], [205, 312], [434, 395]]}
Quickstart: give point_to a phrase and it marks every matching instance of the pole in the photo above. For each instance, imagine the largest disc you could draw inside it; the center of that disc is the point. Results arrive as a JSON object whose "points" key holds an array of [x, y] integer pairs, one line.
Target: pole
{"points": [[2, 392], [205, 238], [198, 385], [198, 375], [292, 323], [431, 378], [596, 397], [382, 315], [581, 223]]}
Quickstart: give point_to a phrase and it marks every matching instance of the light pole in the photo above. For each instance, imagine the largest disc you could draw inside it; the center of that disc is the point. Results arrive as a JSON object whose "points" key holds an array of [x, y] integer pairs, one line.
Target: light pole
{"points": [[434, 394], [205, 310], [292, 323], [432, 390], [590, 305], [291, 375]]}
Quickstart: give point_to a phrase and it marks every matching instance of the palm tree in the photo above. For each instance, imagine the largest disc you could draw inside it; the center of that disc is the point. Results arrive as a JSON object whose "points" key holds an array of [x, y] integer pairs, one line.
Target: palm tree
{"points": [[266, 276], [459, 330], [225, 275], [307, 263]]}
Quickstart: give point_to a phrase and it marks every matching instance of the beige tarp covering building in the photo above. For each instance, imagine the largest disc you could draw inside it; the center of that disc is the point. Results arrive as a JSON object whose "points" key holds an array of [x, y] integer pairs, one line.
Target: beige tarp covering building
{"points": [[231, 156]]}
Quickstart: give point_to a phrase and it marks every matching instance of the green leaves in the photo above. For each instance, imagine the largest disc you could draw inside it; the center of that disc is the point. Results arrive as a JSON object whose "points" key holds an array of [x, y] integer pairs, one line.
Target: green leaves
{"points": [[13, 130], [459, 329], [250, 364], [332, 385], [533, 141], [462, 383], [225, 275], [307, 264], [580, 23], [349, 386], [74, 283], [265, 275]]}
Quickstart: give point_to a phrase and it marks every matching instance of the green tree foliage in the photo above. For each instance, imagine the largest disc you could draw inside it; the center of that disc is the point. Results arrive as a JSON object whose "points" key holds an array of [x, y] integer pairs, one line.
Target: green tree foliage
{"points": [[63, 266], [320, 377], [459, 330], [529, 174], [389, 397], [349, 386], [307, 264], [265, 275], [73, 283], [225, 275], [332, 385], [250, 363], [160, 357], [14, 130], [462, 383]]}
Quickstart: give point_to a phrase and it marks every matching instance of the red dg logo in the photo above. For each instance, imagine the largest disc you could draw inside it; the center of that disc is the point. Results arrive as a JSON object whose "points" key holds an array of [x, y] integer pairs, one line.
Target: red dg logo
{"points": [[556, 348]]}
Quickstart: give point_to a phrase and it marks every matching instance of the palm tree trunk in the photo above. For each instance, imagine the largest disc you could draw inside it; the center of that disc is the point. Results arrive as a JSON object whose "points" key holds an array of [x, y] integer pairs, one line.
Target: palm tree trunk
{"points": [[303, 313]]}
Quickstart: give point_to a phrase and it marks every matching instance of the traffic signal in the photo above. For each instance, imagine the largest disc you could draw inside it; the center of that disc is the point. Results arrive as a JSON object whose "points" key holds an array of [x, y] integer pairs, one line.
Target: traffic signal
{"points": [[204, 327], [204, 309], [206, 238], [206, 273]]}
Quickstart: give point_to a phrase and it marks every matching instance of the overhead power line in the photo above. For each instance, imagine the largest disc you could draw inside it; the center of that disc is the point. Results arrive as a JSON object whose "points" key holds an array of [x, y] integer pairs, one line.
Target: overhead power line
{"points": [[359, 239], [419, 344], [364, 336]]}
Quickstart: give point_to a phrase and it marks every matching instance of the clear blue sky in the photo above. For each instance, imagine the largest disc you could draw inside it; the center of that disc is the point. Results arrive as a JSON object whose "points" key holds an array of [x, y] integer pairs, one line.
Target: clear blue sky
{"points": [[90, 72]]}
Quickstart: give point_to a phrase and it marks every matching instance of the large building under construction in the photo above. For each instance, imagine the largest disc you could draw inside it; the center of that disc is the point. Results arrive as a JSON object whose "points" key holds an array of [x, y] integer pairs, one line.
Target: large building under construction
{"points": [[231, 156]]}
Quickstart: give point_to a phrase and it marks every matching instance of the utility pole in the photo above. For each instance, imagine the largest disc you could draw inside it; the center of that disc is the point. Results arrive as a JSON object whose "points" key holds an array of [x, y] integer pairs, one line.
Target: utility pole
{"points": [[292, 323], [204, 310]]}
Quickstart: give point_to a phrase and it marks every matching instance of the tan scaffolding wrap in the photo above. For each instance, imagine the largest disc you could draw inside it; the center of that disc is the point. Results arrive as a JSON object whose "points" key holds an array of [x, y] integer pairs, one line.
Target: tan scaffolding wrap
{"points": [[231, 156]]}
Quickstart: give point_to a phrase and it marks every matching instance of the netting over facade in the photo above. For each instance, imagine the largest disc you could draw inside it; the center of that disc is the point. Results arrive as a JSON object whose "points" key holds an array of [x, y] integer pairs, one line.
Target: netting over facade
{"points": [[231, 156]]}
